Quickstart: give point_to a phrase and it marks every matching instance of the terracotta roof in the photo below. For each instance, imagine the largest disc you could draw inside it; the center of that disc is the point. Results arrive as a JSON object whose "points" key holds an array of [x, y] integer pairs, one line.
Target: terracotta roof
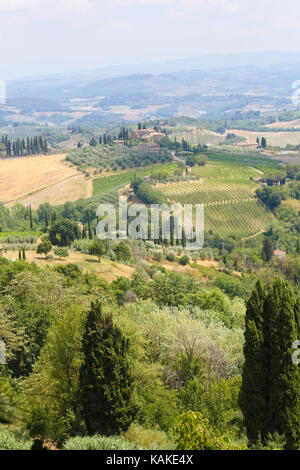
{"points": [[279, 253]]}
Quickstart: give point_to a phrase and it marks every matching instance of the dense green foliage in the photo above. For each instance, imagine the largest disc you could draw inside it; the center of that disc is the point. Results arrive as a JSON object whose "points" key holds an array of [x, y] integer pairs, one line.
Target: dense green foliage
{"points": [[106, 384], [115, 157], [270, 392]]}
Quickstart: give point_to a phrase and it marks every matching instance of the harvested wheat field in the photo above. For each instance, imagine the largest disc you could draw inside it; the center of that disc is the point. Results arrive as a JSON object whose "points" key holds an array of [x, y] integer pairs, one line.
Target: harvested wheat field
{"points": [[280, 139], [72, 189], [20, 177]]}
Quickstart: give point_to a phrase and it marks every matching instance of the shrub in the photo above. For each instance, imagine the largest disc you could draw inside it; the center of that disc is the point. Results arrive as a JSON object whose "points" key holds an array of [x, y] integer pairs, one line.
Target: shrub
{"points": [[61, 252], [194, 433], [171, 256], [98, 443], [157, 255], [9, 442], [185, 260], [151, 439]]}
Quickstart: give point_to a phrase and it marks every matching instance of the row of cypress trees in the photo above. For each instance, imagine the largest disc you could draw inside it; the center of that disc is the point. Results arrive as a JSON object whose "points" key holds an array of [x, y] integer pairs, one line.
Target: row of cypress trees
{"points": [[20, 147]]}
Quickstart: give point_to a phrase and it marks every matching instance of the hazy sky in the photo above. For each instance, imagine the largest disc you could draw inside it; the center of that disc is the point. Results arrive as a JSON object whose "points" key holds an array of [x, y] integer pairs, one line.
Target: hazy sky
{"points": [[42, 36]]}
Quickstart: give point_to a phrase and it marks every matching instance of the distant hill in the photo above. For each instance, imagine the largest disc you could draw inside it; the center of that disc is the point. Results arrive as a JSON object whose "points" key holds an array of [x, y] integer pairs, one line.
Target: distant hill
{"points": [[209, 85]]}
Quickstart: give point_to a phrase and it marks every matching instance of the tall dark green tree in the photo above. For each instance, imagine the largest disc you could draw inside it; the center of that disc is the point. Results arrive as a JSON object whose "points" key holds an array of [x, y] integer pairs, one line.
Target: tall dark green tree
{"points": [[90, 226], [30, 218], [106, 382], [270, 393], [284, 403], [254, 391], [267, 249]]}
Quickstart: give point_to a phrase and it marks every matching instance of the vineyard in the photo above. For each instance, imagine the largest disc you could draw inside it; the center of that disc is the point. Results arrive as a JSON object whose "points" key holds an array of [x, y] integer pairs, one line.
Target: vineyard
{"points": [[242, 219], [226, 190], [228, 194], [199, 192]]}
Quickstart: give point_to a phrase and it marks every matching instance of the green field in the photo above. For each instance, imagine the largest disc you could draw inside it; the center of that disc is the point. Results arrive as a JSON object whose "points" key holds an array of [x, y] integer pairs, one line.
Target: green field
{"points": [[106, 184], [219, 170], [20, 234]]}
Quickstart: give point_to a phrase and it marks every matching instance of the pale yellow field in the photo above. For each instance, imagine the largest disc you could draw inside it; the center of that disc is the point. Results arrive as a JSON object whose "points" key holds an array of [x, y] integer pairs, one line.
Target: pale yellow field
{"points": [[107, 269], [285, 125], [273, 138], [20, 177], [72, 189]]}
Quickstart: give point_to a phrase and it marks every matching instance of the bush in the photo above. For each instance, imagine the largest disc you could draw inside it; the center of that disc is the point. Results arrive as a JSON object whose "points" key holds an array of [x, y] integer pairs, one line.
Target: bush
{"points": [[61, 252], [151, 439], [98, 443], [9, 442], [171, 256], [82, 246], [157, 255], [185, 260]]}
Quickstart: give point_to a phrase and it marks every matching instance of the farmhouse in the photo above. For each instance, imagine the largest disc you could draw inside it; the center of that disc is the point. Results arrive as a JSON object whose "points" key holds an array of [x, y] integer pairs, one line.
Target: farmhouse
{"points": [[246, 145], [150, 146], [279, 254], [146, 135]]}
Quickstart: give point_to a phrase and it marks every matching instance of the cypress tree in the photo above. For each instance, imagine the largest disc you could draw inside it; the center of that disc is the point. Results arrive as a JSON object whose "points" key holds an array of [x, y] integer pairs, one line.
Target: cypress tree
{"points": [[30, 217], [183, 239], [106, 384], [267, 250], [254, 391], [298, 247], [284, 405], [90, 226], [24, 254], [53, 218], [270, 393]]}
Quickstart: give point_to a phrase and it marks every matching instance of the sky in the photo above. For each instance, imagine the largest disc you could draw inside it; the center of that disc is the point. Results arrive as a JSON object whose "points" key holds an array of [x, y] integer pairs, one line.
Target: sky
{"points": [[54, 36]]}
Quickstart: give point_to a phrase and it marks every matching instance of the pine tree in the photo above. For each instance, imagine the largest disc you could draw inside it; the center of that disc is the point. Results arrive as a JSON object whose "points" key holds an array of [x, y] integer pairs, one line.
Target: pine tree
{"points": [[106, 383]]}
